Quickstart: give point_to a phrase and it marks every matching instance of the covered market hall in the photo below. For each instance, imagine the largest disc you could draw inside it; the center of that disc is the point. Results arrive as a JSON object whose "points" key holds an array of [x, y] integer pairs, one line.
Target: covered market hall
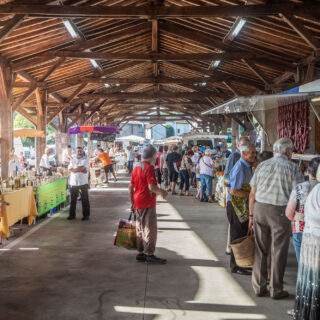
{"points": [[159, 159]]}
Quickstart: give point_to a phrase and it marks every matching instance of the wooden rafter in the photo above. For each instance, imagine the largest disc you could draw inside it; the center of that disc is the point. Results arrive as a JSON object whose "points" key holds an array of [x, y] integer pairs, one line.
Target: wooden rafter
{"points": [[150, 95], [228, 56], [10, 26], [134, 12], [33, 87], [257, 72], [301, 30]]}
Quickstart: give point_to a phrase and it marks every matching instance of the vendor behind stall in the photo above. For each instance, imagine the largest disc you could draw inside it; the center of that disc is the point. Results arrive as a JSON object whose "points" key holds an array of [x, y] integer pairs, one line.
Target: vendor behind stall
{"points": [[67, 156], [45, 164], [14, 166]]}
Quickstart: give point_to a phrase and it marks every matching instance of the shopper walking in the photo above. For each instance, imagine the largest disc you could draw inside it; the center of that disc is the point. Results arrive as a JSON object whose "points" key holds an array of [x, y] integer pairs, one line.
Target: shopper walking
{"points": [[271, 187], [307, 305], [164, 167], [130, 159], [158, 165], [206, 176], [185, 173], [173, 163], [78, 182], [107, 165], [238, 199], [295, 207], [143, 190]]}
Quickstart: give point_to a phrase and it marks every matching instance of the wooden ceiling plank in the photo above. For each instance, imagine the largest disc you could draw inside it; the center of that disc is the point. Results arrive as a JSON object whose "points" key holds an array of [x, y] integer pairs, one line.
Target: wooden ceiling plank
{"points": [[108, 38], [207, 41]]}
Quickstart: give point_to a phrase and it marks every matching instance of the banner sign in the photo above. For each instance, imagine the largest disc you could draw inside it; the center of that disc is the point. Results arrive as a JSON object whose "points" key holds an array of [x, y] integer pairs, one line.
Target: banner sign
{"points": [[50, 195], [103, 137]]}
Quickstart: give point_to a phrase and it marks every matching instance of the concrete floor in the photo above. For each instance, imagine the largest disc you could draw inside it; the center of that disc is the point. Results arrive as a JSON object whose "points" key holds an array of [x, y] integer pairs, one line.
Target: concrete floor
{"points": [[71, 271]]}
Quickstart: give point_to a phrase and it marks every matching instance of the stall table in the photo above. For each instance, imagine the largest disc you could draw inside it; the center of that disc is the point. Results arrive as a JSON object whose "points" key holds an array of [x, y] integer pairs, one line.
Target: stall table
{"points": [[21, 204], [50, 195]]}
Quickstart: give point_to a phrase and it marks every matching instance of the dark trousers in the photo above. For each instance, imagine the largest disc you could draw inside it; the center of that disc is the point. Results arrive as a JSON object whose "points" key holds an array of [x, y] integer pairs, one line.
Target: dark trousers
{"points": [[184, 180], [74, 194], [158, 175], [237, 230], [166, 177], [272, 237], [130, 166]]}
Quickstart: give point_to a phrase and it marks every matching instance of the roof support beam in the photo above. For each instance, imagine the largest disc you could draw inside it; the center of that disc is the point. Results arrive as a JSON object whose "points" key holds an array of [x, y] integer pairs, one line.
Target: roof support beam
{"points": [[300, 29], [150, 95], [141, 57], [33, 87], [144, 12], [10, 26], [257, 72]]}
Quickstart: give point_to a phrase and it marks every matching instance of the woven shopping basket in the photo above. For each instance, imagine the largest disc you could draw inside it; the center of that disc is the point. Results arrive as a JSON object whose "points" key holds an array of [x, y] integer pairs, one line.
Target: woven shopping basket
{"points": [[243, 251]]}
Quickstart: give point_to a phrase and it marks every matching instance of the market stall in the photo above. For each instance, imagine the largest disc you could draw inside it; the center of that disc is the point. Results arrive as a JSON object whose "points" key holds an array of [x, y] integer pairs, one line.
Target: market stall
{"points": [[21, 204]]}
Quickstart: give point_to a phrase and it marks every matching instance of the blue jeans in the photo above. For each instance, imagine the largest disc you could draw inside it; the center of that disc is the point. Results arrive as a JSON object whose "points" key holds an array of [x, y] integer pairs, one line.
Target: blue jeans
{"points": [[206, 185], [184, 180], [297, 239]]}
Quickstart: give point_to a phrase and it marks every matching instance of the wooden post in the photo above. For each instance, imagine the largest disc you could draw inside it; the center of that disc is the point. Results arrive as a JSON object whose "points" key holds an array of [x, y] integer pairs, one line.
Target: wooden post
{"points": [[62, 139], [234, 133], [41, 97], [79, 138], [6, 121]]}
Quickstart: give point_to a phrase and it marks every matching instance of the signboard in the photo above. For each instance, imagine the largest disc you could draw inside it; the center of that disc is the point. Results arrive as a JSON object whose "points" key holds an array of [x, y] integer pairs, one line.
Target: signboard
{"points": [[103, 137], [50, 195]]}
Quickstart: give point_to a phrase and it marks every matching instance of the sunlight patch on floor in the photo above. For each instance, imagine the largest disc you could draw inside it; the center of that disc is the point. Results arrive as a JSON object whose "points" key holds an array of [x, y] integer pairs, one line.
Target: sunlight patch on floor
{"points": [[184, 242], [216, 286], [177, 314]]}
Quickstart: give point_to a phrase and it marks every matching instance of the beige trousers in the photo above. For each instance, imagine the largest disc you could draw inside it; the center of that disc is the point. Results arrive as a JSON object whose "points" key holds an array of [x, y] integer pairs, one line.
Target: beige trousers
{"points": [[146, 227], [272, 236]]}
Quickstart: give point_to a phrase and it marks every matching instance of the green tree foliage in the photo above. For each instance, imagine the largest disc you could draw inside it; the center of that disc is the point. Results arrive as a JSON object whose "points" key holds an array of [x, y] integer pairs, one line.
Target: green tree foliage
{"points": [[20, 122], [169, 131]]}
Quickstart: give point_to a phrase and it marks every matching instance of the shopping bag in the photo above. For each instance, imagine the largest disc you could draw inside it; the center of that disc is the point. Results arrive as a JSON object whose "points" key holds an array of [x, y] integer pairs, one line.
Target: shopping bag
{"points": [[126, 236], [243, 251]]}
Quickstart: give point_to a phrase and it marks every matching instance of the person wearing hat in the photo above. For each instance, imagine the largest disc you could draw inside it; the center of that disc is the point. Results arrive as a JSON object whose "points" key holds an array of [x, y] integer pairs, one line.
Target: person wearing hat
{"points": [[143, 191]]}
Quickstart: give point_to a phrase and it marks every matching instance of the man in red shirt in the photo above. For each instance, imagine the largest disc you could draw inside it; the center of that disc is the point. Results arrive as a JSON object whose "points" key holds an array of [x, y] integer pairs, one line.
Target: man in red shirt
{"points": [[144, 190]]}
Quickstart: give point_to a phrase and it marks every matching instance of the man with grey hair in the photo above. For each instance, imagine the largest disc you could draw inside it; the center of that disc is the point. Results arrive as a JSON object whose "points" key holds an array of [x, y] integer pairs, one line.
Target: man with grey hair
{"points": [[143, 191], [237, 199], [271, 187]]}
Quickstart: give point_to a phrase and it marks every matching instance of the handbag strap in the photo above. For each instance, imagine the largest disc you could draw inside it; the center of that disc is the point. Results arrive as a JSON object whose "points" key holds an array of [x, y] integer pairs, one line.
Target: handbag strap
{"points": [[132, 214], [206, 164]]}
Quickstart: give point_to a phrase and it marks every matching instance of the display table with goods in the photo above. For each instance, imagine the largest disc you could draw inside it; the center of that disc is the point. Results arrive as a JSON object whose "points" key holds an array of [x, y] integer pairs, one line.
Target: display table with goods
{"points": [[97, 173], [17, 204], [221, 189], [50, 194]]}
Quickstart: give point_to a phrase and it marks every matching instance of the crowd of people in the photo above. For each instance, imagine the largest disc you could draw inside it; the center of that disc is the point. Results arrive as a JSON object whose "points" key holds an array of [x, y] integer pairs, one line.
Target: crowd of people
{"points": [[267, 194]]}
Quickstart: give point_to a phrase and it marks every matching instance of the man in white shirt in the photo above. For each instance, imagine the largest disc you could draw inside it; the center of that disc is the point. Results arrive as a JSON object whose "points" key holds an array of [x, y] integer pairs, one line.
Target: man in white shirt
{"points": [[67, 156], [45, 164], [206, 176], [78, 182]]}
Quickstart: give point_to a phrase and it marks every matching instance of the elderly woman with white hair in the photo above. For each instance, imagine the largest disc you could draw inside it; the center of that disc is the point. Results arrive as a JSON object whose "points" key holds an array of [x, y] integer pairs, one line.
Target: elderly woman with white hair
{"points": [[271, 187]]}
